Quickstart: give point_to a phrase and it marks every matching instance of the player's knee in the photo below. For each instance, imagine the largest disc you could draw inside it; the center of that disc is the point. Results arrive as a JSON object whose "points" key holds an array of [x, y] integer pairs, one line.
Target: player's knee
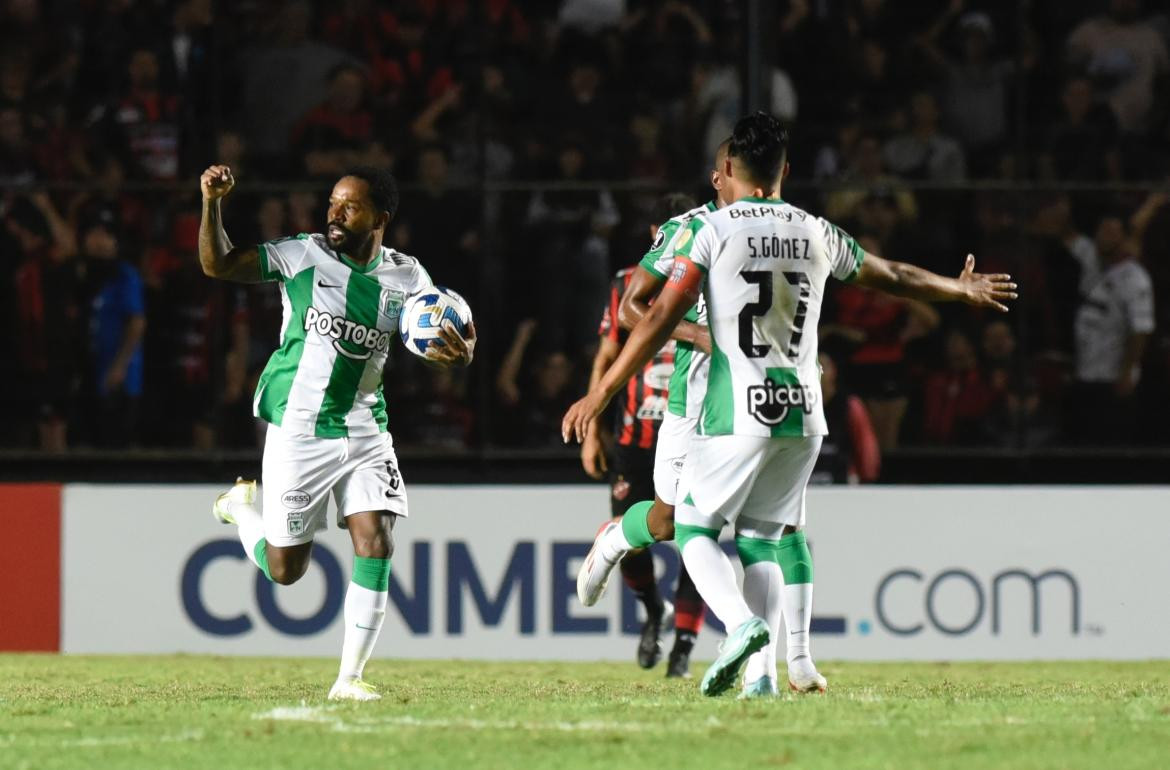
{"points": [[287, 572], [378, 544]]}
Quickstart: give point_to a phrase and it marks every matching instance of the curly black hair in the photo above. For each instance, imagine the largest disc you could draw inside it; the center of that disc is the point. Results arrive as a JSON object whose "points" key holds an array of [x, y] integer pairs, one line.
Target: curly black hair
{"points": [[760, 142], [383, 187]]}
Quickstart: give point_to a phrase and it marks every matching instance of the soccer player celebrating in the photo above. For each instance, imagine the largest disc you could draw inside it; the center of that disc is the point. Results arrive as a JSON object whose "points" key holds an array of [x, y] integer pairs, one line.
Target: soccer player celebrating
{"points": [[761, 265], [321, 395], [639, 465]]}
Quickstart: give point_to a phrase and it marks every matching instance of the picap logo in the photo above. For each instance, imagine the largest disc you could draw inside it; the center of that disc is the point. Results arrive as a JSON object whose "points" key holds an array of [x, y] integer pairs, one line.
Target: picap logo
{"points": [[345, 330], [772, 402]]}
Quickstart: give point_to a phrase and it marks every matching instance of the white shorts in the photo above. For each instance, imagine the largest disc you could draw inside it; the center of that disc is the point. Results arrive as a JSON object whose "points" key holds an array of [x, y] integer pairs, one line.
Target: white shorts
{"points": [[674, 436], [300, 471], [756, 484]]}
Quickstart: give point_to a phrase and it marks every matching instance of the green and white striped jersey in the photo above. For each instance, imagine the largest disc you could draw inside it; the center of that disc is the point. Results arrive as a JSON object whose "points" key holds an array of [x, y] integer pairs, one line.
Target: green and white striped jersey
{"points": [[325, 379], [766, 263], [689, 380]]}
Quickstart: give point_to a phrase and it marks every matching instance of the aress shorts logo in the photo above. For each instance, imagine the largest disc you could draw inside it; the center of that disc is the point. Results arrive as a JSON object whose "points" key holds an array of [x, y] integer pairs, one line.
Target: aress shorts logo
{"points": [[296, 499]]}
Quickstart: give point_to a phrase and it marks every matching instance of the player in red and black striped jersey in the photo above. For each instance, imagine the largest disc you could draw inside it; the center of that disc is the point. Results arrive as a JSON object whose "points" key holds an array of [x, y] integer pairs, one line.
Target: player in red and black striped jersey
{"points": [[638, 411]]}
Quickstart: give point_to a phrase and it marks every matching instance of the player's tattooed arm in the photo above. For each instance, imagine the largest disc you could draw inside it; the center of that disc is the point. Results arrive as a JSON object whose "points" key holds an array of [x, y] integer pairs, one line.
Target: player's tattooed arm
{"points": [[903, 280], [643, 287], [651, 333], [217, 256]]}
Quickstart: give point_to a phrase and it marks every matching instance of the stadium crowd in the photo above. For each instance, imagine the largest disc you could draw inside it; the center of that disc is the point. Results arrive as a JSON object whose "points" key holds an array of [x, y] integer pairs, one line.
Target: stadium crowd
{"points": [[532, 139]]}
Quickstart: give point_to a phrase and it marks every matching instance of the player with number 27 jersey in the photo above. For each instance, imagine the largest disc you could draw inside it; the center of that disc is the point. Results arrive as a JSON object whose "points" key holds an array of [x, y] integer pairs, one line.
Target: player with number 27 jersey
{"points": [[766, 263]]}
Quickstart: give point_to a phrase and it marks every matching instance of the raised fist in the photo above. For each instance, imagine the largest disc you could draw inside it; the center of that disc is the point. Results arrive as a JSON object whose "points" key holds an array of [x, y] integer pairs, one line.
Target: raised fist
{"points": [[216, 182]]}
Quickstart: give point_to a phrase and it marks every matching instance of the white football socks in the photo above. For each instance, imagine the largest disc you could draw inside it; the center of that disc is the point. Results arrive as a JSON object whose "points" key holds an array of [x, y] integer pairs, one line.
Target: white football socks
{"points": [[250, 528], [763, 587], [614, 545], [365, 610], [798, 618], [714, 577]]}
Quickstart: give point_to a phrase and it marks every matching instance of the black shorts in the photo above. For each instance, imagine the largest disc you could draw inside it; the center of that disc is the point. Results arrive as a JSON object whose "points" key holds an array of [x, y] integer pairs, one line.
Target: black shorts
{"points": [[631, 478]]}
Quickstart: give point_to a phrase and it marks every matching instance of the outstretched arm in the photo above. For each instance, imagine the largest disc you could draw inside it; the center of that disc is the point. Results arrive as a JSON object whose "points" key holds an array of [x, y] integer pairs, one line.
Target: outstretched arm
{"points": [[636, 302], [648, 337], [903, 280], [217, 256]]}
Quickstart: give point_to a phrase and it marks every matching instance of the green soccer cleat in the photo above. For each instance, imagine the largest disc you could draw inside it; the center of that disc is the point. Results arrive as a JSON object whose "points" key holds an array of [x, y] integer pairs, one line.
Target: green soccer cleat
{"points": [[764, 687], [241, 492], [353, 689], [749, 637]]}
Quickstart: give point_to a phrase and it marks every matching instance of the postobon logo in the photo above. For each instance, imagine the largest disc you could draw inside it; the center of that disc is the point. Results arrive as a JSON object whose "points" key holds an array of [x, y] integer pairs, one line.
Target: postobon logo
{"points": [[344, 330], [770, 403]]}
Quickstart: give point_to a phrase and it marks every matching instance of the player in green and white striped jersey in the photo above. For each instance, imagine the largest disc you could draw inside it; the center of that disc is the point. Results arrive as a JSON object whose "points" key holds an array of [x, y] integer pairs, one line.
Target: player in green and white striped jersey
{"points": [[687, 385], [761, 264], [321, 395]]}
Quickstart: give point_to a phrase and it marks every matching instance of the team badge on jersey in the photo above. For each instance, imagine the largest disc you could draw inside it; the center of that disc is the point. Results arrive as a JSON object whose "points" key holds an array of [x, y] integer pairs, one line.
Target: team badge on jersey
{"points": [[391, 304]]}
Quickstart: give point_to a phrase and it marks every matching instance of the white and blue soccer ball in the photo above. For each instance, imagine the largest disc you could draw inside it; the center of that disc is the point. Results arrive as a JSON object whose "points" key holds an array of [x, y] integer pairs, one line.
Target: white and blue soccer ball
{"points": [[424, 313]]}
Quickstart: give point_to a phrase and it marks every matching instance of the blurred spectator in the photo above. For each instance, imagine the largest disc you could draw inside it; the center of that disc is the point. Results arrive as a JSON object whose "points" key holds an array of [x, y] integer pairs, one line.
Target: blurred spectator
{"points": [[976, 84], [144, 122], [440, 226], [45, 301], [16, 167], [1083, 144], [570, 251], [339, 132], [878, 327], [922, 152], [958, 398], [117, 322], [1054, 219], [284, 79], [534, 390], [850, 453], [1018, 414], [1112, 326], [866, 173], [1128, 57]]}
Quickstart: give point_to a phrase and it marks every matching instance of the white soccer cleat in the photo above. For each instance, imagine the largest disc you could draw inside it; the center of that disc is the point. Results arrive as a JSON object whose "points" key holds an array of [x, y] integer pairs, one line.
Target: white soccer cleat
{"points": [[353, 689], [594, 574], [242, 492], [804, 677]]}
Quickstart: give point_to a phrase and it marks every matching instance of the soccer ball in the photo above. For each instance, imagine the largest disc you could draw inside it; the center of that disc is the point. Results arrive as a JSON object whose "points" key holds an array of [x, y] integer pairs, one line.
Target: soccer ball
{"points": [[424, 313]]}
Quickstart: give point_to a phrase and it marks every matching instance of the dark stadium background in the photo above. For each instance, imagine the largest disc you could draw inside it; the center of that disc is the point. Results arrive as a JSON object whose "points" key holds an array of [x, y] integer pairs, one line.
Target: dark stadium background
{"points": [[531, 140]]}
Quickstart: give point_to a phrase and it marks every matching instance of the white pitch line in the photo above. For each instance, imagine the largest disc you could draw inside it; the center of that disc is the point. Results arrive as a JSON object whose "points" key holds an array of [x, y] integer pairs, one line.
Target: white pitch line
{"points": [[328, 716]]}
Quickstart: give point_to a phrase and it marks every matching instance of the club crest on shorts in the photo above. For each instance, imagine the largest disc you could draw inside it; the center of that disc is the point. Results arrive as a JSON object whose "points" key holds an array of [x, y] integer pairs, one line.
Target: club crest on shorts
{"points": [[296, 499], [621, 489], [296, 524]]}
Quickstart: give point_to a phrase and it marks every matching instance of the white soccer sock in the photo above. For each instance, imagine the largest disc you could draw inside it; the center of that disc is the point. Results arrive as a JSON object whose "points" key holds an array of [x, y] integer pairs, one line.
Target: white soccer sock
{"points": [[250, 528], [798, 617], [762, 590], [364, 612], [714, 577], [613, 545]]}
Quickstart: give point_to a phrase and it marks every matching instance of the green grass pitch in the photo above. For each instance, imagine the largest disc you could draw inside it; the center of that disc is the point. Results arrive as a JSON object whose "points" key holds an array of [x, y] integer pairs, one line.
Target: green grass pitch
{"points": [[206, 712]]}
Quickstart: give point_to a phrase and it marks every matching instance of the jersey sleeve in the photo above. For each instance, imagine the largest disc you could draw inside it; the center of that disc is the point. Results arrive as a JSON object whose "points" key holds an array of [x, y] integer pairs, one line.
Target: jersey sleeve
{"points": [[657, 260], [696, 243], [283, 258], [420, 279], [844, 253]]}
